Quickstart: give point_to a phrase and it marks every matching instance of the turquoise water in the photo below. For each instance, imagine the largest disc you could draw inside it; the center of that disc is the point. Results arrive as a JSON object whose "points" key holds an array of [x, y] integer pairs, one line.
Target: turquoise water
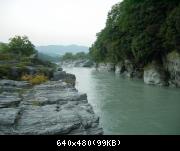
{"points": [[128, 106]]}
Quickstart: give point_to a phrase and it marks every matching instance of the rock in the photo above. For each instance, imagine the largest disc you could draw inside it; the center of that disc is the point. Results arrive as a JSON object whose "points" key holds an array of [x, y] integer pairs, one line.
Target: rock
{"points": [[66, 77], [8, 116], [106, 67], [78, 63], [172, 65], [138, 73], [56, 122], [17, 84], [68, 63], [31, 70], [59, 75], [9, 100], [44, 120], [44, 97], [88, 63], [52, 108], [13, 86], [129, 69], [119, 68], [154, 75], [59, 69]]}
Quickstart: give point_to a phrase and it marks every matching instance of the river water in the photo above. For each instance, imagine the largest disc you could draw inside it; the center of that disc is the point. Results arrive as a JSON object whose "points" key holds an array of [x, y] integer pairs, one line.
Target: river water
{"points": [[127, 106]]}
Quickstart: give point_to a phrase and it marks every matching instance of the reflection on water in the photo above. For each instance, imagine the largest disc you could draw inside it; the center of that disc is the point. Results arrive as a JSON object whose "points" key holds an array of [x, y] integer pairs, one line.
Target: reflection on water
{"points": [[129, 106]]}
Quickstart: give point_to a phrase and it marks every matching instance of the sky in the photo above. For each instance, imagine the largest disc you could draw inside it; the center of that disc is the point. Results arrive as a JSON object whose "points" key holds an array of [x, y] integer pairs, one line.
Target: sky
{"points": [[54, 22]]}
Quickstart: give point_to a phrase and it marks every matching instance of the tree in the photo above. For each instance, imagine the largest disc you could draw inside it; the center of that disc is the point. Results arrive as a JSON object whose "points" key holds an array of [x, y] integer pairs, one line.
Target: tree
{"points": [[170, 31], [68, 56], [4, 48], [139, 30], [21, 46]]}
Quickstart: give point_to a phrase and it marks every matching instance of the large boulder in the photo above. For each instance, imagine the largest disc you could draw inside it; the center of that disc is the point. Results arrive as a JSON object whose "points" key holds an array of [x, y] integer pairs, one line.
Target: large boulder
{"points": [[154, 75], [172, 65]]}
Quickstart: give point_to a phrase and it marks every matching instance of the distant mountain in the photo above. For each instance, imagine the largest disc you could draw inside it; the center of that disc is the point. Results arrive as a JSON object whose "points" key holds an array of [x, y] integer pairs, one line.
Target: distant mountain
{"points": [[54, 50], [50, 58]]}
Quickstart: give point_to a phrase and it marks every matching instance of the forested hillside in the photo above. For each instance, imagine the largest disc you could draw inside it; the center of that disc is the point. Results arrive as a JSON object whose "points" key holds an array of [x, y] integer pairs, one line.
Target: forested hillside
{"points": [[139, 30]]}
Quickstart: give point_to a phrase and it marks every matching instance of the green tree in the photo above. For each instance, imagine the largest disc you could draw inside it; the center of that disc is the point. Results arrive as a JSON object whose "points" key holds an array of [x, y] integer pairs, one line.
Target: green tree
{"points": [[21, 46], [139, 30], [4, 48], [170, 31], [68, 56]]}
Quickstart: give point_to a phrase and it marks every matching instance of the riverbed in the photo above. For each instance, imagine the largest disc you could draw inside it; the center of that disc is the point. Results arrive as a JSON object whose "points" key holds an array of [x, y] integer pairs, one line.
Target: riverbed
{"points": [[128, 106]]}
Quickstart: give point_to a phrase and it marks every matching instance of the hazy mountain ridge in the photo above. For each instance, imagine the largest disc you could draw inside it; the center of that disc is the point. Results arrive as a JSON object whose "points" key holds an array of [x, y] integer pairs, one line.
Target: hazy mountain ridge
{"points": [[61, 49]]}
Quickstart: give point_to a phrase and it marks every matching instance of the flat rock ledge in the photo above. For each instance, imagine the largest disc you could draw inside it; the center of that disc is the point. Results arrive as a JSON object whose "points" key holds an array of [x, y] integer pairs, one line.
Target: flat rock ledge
{"points": [[52, 108]]}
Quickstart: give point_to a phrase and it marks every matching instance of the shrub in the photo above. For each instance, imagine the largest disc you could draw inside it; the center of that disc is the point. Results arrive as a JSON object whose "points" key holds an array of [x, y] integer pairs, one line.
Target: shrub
{"points": [[5, 71], [5, 56], [35, 79]]}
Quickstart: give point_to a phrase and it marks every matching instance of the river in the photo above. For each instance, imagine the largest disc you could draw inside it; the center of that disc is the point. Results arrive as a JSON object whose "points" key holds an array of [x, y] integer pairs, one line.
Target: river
{"points": [[127, 106]]}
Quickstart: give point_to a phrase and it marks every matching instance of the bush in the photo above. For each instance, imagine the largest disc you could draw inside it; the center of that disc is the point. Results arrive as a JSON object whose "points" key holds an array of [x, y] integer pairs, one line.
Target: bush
{"points": [[35, 79], [5, 71], [5, 56]]}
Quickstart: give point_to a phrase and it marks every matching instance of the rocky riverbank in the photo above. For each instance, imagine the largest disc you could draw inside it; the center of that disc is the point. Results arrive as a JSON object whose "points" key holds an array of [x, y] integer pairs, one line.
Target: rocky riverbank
{"points": [[166, 73], [53, 108], [77, 63]]}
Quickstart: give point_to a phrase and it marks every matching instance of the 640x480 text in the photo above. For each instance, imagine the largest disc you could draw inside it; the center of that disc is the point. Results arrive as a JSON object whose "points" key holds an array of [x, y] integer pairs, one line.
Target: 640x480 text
{"points": [[79, 143]]}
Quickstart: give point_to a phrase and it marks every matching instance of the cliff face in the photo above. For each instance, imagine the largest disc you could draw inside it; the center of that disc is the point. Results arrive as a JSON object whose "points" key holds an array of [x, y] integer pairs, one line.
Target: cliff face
{"points": [[53, 108], [172, 65], [154, 75], [165, 74]]}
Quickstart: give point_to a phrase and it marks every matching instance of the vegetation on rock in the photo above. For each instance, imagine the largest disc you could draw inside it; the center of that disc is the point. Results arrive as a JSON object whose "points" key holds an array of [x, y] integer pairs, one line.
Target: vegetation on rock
{"points": [[19, 57], [77, 56], [140, 31], [35, 79]]}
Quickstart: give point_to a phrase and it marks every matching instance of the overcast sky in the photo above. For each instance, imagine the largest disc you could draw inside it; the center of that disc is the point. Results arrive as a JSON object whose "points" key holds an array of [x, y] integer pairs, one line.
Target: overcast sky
{"points": [[54, 21]]}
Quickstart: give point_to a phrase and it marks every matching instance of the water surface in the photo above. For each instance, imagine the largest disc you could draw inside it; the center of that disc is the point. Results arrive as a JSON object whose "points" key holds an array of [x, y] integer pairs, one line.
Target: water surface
{"points": [[128, 106]]}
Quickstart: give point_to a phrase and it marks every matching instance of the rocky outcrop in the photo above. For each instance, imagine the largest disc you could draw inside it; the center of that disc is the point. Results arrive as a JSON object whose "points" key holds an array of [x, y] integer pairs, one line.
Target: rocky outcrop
{"points": [[119, 68], [66, 77], [154, 75], [127, 69], [53, 108], [105, 67], [78, 63], [12, 86], [172, 65]]}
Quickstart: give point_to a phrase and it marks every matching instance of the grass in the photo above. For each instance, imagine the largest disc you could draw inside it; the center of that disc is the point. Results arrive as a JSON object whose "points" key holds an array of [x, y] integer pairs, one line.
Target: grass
{"points": [[35, 79]]}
